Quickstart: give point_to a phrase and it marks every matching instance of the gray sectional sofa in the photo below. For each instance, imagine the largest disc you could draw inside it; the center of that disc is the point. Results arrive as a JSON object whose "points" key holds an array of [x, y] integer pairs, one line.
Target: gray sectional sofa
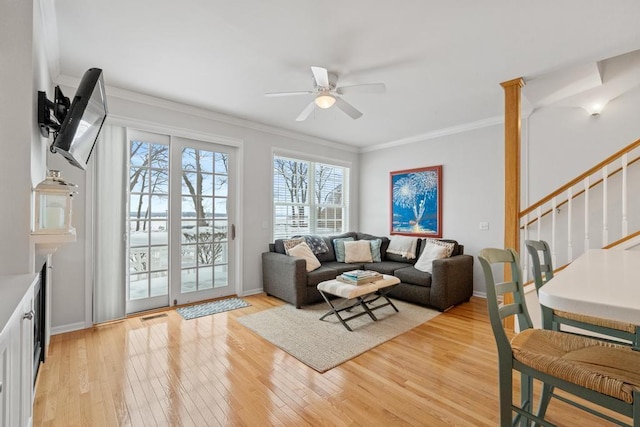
{"points": [[451, 282]]}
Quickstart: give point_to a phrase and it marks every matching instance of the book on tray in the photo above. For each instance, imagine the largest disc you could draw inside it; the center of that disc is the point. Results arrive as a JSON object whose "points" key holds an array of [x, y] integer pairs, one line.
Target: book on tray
{"points": [[359, 274], [359, 277]]}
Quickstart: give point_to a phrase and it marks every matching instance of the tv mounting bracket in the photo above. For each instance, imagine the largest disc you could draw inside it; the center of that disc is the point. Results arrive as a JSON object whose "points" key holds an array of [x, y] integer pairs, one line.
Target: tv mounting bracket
{"points": [[51, 114]]}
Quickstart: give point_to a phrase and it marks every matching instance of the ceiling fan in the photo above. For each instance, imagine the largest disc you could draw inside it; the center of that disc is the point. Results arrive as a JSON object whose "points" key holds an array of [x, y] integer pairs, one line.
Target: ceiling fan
{"points": [[326, 93]]}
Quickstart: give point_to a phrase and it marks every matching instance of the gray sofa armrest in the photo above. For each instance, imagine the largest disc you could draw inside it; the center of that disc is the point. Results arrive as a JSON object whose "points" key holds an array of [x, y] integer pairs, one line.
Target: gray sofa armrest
{"points": [[451, 281], [284, 277]]}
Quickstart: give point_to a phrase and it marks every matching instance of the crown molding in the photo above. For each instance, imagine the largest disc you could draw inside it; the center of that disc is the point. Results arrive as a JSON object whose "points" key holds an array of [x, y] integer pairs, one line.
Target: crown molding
{"points": [[125, 94], [492, 121]]}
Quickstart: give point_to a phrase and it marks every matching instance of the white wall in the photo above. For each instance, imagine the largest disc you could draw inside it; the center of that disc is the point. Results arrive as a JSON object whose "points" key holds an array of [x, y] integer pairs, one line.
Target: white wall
{"points": [[22, 74], [71, 287], [472, 181], [565, 142]]}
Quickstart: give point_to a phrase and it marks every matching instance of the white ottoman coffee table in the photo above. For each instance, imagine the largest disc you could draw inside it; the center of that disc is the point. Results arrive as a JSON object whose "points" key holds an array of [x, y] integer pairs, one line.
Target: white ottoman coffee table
{"points": [[357, 295]]}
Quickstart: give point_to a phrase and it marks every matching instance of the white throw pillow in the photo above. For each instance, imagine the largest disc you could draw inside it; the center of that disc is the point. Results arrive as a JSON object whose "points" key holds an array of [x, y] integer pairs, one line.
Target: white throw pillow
{"points": [[358, 251], [304, 251], [404, 246], [431, 252]]}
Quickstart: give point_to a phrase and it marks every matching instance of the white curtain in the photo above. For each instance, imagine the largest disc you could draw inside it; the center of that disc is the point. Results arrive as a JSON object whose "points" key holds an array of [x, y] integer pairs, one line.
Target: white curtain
{"points": [[109, 238]]}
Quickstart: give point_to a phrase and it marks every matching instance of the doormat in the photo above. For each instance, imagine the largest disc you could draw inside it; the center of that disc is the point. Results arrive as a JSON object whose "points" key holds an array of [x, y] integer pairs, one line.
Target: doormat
{"points": [[213, 307]]}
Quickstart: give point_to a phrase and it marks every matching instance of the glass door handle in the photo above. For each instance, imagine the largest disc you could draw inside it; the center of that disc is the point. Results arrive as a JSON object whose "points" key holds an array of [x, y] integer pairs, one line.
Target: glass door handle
{"points": [[233, 232]]}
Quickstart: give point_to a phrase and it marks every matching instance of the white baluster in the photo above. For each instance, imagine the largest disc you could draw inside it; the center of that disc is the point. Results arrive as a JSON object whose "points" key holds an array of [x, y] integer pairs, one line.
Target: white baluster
{"points": [[569, 203], [625, 224], [586, 214], [539, 222], [554, 216], [605, 225]]}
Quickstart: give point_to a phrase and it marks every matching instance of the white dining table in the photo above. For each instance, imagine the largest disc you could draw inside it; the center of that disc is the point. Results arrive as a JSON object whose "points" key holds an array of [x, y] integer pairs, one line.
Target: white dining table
{"points": [[601, 282]]}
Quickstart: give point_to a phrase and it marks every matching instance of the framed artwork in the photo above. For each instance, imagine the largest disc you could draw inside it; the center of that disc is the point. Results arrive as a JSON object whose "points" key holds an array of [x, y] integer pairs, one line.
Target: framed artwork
{"points": [[416, 202]]}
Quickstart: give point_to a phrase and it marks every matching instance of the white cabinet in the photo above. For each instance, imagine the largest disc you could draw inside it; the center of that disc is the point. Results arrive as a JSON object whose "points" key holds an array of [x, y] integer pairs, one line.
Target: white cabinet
{"points": [[16, 349]]}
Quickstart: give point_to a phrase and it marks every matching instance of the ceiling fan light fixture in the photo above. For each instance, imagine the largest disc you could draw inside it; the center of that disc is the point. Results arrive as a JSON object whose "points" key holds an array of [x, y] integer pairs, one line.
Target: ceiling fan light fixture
{"points": [[325, 100]]}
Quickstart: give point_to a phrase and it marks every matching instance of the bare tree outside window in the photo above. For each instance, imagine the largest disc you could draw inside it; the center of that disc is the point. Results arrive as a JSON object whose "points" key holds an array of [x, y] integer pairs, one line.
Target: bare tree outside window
{"points": [[308, 197], [296, 179], [198, 167]]}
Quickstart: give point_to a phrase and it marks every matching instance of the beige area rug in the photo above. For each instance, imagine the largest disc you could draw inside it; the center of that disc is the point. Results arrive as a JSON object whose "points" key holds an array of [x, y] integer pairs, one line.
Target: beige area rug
{"points": [[325, 344]]}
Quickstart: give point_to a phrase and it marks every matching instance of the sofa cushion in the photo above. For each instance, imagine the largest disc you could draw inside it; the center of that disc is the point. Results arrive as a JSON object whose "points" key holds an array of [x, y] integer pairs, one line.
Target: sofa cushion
{"points": [[406, 246], [357, 251], [330, 255], [341, 267], [384, 267], [317, 243], [304, 251], [375, 249], [413, 276], [383, 246], [338, 246], [431, 252], [457, 248], [320, 275], [291, 243]]}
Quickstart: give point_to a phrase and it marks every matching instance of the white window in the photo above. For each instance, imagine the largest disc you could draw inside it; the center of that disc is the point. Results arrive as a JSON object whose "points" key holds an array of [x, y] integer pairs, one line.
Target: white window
{"points": [[308, 197]]}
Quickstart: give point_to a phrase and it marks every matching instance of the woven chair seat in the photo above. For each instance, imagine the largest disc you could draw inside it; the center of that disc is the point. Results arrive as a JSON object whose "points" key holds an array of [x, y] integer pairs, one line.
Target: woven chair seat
{"points": [[604, 367], [598, 321]]}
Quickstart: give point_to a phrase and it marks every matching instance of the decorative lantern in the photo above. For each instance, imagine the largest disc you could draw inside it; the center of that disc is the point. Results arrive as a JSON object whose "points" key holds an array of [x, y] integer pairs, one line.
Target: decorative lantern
{"points": [[53, 205]]}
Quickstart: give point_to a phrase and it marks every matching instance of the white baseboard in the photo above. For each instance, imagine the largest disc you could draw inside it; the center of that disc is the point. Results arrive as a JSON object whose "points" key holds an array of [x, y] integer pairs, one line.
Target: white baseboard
{"points": [[251, 292], [55, 330], [480, 294]]}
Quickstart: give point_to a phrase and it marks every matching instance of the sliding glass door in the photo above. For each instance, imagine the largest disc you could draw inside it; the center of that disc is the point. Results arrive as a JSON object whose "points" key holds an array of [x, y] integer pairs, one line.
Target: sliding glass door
{"points": [[202, 226], [180, 236]]}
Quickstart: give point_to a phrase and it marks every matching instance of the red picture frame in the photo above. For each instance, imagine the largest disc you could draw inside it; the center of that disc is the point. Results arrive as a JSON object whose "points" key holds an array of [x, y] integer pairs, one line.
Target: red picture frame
{"points": [[416, 202]]}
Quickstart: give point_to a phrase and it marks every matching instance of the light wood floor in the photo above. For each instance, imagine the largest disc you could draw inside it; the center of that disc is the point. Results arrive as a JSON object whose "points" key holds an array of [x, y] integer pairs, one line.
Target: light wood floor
{"points": [[213, 371]]}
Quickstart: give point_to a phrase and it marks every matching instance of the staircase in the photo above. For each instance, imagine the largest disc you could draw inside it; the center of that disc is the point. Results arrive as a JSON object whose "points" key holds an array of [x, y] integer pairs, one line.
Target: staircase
{"points": [[598, 209]]}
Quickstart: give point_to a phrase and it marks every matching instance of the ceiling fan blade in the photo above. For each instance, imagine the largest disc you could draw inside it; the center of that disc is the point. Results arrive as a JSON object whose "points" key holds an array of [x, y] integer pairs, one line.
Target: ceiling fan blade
{"points": [[301, 92], [365, 88], [321, 75], [349, 109], [306, 112]]}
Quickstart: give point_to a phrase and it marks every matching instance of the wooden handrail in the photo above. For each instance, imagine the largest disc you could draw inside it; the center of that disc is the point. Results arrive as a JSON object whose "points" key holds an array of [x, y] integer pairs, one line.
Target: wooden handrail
{"points": [[579, 193], [580, 178], [624, 239]]}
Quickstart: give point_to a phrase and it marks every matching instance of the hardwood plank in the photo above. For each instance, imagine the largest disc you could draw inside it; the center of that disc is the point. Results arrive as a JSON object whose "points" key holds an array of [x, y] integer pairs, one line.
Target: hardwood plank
{"points": [[214, 371]]}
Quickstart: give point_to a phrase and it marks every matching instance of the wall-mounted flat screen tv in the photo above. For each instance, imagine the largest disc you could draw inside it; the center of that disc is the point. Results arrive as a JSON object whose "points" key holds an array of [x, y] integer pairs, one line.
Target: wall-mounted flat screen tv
{"points": [[83, 121]]}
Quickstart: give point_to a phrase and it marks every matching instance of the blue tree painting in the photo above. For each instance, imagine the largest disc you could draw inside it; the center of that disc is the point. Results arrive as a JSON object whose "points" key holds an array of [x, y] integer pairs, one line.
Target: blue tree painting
{"points": [[416, 202]]}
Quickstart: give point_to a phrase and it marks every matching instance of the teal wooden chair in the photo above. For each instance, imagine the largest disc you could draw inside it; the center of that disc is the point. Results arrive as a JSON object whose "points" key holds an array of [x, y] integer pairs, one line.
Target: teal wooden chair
{"points": [[601, 372], [542, 270]]}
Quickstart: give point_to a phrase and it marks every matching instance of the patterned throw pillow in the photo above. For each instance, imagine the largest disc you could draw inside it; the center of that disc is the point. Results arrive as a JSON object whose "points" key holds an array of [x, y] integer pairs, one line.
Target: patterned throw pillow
{"points": [[288, 244], [338, 245], [448, 245], [317, 244]]}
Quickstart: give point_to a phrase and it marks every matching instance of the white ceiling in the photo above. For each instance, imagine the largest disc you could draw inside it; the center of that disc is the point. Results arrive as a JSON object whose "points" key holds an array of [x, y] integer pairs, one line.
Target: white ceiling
{"points": [[442, 62]]}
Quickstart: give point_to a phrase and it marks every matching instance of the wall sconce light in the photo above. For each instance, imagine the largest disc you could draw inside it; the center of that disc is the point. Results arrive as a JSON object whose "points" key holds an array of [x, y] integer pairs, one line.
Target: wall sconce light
{"points": [[53, 205], [595, 108]]}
